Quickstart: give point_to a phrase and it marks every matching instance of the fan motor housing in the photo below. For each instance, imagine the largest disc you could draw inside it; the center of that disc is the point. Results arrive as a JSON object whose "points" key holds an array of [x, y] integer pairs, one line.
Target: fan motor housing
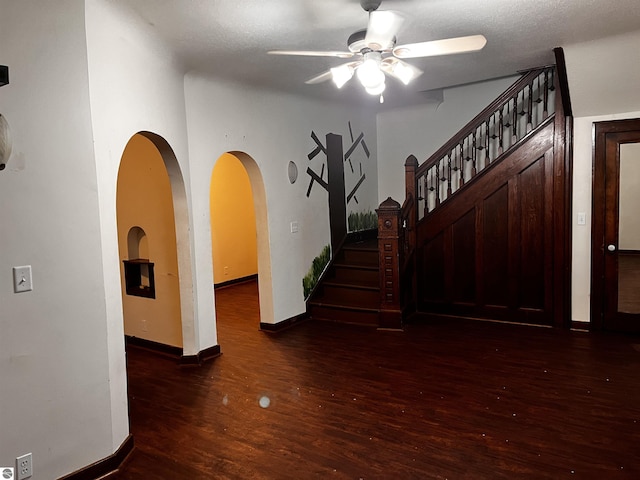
{"points": [[356, 42], [370, 5]]}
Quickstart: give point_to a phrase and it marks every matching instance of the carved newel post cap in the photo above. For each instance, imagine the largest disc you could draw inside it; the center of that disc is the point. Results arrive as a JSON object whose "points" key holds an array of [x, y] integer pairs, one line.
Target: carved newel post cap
{"points": [[411, 161], [389, 204]]}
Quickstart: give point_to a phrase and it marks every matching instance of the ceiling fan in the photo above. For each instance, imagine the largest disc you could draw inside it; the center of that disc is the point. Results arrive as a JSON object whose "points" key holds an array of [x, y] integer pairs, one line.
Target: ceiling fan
{"points": [[375, 53]]}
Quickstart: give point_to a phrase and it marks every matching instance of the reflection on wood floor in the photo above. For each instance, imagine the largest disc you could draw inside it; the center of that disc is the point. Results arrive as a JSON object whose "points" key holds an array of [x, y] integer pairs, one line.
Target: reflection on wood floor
{"points": [[457, 400], [629, 282]]}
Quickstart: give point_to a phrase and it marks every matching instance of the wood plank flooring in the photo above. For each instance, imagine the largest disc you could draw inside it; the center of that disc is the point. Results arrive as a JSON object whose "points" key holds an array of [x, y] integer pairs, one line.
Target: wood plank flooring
{"points": [[442, 400], [629, 283]]}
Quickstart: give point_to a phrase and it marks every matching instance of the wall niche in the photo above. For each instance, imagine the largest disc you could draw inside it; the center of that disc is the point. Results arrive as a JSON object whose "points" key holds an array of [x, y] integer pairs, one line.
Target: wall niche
{"points": [[138, 270]]}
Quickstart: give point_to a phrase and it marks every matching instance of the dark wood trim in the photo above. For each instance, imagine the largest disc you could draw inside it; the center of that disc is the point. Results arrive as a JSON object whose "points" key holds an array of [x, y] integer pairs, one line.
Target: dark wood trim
{"points": [[562, 194], [598, 214], [563, 81], [581, 326], [228, 283], [170, 350], [201, 357], [175, 352], [105, 467], [285, 324]]}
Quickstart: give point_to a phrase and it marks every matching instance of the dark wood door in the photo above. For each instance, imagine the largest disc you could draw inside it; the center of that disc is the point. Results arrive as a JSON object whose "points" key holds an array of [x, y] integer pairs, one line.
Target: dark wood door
{"points": [[615, 299]]}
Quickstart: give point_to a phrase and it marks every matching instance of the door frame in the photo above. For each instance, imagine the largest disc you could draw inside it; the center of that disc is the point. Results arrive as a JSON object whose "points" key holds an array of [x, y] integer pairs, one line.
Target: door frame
{"points": [[601, 225]]}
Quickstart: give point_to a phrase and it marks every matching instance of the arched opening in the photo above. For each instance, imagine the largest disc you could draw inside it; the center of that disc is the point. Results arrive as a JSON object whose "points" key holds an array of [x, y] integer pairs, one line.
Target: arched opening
{"points": [[239, 227], [147, 239]]}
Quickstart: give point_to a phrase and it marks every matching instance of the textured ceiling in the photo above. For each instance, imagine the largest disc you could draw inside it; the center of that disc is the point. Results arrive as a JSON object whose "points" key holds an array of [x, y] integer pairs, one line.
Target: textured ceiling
{"points": [[230, 38]]}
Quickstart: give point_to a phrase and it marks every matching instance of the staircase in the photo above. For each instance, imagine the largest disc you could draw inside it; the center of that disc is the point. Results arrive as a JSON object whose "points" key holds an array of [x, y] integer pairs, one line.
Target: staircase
{"points": [[350, 290], [484, 229]]}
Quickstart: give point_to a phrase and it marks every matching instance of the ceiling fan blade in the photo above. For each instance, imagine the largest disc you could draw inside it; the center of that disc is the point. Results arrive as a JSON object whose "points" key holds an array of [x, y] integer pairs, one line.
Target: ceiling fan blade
{"points": [[447, 46], [323, 77], [382, 29], [312, 53], [328, 75]]}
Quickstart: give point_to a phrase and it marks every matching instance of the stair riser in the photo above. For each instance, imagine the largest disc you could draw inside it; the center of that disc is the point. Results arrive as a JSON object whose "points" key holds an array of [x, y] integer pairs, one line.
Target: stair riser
{"points": [[355, 276], [351, 296], [360, 257], [344, 316]]}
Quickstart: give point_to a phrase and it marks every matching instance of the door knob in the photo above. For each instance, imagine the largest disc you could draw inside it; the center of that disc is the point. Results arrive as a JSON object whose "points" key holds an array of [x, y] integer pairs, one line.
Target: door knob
{"points": [[611, 247]]}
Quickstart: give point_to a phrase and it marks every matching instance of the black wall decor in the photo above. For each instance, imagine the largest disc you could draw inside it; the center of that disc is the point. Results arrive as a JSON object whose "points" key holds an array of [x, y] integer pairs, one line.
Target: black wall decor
{"points": [[335, 184], [4, 75]]}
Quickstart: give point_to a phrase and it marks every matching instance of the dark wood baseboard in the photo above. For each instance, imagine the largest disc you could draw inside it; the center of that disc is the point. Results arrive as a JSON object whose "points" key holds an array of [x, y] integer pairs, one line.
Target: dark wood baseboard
{"points": [[201, 357], [170, 350], [581, 326], [285, 324], [105, 467], [629, 252], [175, 352], [248, 278]]}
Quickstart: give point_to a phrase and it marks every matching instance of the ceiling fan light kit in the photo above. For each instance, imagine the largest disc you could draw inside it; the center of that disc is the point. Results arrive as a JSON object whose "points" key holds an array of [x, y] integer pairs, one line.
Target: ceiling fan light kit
{"points": [[377, 53]]}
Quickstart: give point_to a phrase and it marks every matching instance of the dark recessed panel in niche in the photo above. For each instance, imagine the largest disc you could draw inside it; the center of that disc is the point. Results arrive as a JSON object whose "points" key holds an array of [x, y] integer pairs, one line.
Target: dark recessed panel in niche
{"points": [[138, 275]]}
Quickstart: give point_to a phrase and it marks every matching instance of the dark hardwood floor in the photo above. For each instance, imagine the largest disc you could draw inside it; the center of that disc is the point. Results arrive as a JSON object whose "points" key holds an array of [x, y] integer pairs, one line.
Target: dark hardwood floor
{"points": [[629, 283], [441, 400]]}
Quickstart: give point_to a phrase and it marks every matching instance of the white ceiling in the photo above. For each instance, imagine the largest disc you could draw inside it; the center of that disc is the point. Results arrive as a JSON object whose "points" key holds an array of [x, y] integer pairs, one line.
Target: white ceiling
{"points": [[230, 39]]}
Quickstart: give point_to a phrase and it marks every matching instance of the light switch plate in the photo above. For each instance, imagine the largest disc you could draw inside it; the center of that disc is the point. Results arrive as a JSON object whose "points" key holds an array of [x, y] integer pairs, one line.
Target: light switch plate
{"points": [[22, 279]]}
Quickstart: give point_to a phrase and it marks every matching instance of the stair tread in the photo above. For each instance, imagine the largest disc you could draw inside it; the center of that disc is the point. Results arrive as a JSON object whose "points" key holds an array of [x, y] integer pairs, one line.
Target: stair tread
{"points": [[366, 266], [351, 285], [328, 302]]}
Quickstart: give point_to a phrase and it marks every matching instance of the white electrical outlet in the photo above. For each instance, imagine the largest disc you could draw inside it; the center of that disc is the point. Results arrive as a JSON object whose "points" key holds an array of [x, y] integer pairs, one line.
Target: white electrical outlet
{"points": [[24, 467], [22, 279]]}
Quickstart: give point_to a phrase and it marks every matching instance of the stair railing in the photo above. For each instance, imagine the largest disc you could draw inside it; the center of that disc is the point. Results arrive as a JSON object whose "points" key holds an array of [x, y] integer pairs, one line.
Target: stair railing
{"points": [[510, 118]]}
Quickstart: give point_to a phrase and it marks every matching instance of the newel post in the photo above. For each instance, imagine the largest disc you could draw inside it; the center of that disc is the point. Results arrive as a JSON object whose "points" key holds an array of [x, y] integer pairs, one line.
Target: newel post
{"points": [[410, 167], [389, 225]]}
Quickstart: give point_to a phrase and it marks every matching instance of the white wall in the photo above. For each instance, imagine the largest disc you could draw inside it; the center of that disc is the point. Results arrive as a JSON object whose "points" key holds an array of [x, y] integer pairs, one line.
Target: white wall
{"points": [[55, 397], [273, 129], [603, 83], [422, 129], [582, 198], [603, 75]]}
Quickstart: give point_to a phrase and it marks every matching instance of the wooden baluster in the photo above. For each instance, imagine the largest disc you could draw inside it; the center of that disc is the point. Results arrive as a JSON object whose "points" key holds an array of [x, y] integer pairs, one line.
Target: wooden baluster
{"points": [[461, 162], [529, 107], [514, 120], [538, 101], [545, 112], [427, 192], [449, 174], [500, 132], [437, 185], [486, 146], [473, 155]]}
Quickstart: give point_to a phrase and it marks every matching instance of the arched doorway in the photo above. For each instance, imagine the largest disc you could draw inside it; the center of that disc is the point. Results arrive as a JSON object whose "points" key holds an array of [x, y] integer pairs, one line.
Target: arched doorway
{"points": [[149, 206], [239, 227]]}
